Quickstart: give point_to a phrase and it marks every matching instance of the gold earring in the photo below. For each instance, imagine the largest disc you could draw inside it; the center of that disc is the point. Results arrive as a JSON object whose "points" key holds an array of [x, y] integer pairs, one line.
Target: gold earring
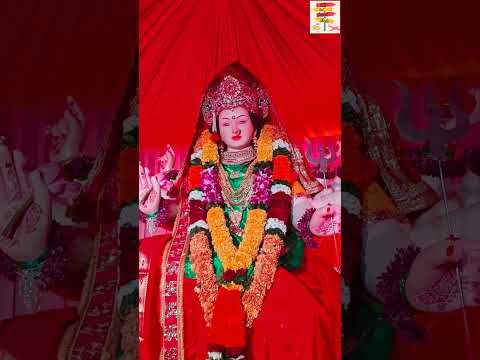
{"points": [[255, 143], [221, 146]]}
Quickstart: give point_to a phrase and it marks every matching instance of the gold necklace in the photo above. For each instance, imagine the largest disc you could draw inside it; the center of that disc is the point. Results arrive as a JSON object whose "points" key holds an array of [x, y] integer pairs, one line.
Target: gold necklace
{"points": [[238, 157], [235, 218], [237, 215], [239, 196]]}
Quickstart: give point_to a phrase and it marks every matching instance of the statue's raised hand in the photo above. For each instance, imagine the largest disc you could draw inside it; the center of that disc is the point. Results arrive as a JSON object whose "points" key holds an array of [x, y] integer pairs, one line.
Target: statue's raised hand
{"points": [[433, 284], [25, 222], [165, 164], [166, 161], [66, 135], [149, 191], [327, 218]]}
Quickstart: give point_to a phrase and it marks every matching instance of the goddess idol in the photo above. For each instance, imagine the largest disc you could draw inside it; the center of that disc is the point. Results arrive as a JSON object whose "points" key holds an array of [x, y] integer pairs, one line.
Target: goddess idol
{"points": [[234, 280]]}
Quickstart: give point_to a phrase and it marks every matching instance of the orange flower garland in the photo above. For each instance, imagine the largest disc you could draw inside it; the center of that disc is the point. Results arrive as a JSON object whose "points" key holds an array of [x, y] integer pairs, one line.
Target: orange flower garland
{"points": [[209, 149], [201, 257], [231, 257], [264, 144], [261, 225], [265, 269]]}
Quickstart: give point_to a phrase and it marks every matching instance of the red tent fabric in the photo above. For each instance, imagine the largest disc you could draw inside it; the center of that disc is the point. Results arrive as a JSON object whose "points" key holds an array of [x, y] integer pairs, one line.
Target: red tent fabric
{"points": [[411, 40], [183, 44], [52, 49]]}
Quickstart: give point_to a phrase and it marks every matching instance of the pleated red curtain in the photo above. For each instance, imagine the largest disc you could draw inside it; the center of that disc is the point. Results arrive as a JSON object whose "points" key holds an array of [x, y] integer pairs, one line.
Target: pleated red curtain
{"points": [[421, 43], [411, 39], [51, 49], [183, 44]]}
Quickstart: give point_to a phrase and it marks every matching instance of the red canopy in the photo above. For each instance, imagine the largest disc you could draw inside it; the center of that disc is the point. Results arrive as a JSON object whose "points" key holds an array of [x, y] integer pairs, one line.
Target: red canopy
{"points": [[55, 48], [184, 44], [51, 49], [411, 40]]}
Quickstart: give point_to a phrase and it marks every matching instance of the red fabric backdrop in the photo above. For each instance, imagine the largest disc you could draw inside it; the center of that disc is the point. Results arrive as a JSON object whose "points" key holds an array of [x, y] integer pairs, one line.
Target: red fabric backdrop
{"points": [[183, 44], [420, 43], [411, 39], [54, 48]]}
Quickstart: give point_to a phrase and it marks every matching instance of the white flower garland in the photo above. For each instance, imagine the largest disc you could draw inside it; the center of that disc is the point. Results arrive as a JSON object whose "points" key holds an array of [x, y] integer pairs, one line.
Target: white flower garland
{"points": [[200, 223], [281, 144], [281, 188], [214, 355], [275, 223], [197, 155], [195, 195]]}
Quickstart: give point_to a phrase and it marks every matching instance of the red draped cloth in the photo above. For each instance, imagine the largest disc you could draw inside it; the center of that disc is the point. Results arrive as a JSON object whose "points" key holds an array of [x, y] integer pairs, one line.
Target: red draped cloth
{"points": [[446, 337], [411, 40], [52, 49], [184, 44], [299, 317]]}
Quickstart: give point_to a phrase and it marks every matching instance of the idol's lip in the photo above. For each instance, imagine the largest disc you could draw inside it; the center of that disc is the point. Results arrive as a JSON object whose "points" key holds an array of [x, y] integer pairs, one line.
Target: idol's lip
{"points": [[236, 137]]}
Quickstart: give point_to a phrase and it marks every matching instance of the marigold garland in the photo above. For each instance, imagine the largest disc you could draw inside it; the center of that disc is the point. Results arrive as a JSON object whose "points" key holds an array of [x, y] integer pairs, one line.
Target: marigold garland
{"points": [[264, 144], [209, 149], [265, 269], [231, 257], [267, 221], [201, 257]]}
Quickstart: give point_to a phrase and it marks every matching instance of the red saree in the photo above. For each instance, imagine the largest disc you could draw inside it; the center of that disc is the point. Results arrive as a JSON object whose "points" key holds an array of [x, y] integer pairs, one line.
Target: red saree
{"points": [[300, 317]]}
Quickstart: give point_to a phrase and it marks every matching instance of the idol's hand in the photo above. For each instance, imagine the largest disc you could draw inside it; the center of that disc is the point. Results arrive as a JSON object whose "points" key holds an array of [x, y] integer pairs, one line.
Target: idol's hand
{"points": [[432, 284], [166, 162], [149, 192], [144, 186], [25, 223], [66, 135], [326, 220]]}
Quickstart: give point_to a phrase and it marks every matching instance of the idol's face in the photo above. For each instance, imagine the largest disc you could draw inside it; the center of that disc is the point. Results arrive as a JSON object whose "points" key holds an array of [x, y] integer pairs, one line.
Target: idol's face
{"points": [[236, 128]]}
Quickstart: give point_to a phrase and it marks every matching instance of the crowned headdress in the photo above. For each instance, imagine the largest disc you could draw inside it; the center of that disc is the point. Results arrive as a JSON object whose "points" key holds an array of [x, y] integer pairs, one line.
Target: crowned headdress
{"points": [[234, 87]]}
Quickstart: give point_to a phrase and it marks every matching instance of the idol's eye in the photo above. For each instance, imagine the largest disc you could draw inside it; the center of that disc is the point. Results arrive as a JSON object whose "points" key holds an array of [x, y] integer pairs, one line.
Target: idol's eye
{"points": [[243, 121], [225, 124]]}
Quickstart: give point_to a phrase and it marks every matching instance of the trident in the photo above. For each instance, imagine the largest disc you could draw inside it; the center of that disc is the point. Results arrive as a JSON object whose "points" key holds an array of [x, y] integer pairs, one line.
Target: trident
{"points": [[438, 138], [324, 158]]}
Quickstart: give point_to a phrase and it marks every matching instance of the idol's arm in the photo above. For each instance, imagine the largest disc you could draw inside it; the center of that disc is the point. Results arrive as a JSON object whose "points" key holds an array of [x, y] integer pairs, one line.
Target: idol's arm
{"points": [[160, 218]]}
